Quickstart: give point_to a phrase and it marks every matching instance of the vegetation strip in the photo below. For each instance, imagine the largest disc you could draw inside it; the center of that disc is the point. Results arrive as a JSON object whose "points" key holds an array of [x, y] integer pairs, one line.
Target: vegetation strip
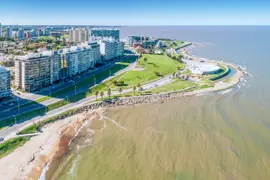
{"points": [[12, 144], [37, 126]]}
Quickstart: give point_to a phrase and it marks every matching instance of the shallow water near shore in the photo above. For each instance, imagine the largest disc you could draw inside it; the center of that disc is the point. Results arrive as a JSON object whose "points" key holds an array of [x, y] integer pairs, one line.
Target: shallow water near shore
{"points": [[221, 135]]}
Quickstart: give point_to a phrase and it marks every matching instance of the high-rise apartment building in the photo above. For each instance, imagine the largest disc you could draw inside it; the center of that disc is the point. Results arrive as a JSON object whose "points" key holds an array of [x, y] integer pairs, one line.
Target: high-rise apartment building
{"points": [[36, 71], [20, 34], [32, 72], [79, 35], [106, 33], [4, 82], [111, 49], [9, 32]]}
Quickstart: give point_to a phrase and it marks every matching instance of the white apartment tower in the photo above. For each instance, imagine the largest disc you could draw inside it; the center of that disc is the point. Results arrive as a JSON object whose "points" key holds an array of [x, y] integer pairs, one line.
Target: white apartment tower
{"points": [[79, 35], [111, 49]]}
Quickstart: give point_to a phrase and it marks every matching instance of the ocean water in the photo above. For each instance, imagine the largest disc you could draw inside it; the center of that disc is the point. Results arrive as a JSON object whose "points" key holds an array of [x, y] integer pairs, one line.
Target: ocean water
{"points": [[223, 135]]}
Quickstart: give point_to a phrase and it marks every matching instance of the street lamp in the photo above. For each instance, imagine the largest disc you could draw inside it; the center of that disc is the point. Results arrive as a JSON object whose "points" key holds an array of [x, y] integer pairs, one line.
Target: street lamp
{"points": [[75, 88], [15, 123], [50, 92], [15, 119], [18, 105]]}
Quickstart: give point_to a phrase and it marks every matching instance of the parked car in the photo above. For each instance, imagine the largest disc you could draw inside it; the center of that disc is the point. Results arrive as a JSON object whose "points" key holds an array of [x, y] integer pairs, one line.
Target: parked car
{"points": [[1, 139]]}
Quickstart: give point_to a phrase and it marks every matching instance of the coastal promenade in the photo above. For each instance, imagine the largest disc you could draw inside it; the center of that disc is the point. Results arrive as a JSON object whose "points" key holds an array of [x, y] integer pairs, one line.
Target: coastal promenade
{"points": [[91, 105], [10, 132]]}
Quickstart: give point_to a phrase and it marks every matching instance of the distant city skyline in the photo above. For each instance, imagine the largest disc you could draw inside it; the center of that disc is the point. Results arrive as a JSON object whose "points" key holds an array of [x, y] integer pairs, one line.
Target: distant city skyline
{"points": [[139, 12]]}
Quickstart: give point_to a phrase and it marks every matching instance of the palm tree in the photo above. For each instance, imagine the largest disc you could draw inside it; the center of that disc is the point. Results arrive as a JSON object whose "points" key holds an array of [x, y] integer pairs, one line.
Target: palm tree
{"points": [[138, 85], [96, 93], [101, 94], [145, 60], [120, 90], [134, 89], [109, 92]]}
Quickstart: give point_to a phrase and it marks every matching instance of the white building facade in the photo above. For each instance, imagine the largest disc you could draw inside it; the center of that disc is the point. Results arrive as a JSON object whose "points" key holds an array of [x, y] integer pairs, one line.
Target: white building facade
{"points": [[36, 71], [111, 49], [79, 35]]}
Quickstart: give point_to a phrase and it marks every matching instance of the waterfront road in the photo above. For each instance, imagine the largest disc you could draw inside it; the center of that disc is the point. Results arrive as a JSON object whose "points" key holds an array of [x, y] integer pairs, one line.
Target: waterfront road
{"points": [[10, 132], [23, 108]]}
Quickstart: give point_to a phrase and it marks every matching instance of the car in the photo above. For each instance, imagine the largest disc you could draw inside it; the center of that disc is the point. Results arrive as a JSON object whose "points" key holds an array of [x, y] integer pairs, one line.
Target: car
{"points": [[1, 139], [202, 61]]}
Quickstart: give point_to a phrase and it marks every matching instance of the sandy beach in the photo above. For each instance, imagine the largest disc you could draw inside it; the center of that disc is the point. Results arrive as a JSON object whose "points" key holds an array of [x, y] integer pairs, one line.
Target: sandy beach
{"points": [[28, 161]]}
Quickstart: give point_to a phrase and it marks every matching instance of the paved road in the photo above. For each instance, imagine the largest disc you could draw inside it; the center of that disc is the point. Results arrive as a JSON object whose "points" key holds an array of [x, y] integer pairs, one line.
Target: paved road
{"points": [[16, 111], [10, 132]]}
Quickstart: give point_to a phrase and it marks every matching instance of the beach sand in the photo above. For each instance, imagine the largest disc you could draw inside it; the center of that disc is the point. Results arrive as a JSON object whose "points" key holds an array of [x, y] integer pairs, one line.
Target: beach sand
{"points": [[28, 161]]}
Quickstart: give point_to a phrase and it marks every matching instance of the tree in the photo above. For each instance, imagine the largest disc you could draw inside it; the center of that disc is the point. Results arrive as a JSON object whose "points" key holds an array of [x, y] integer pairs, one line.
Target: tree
{"points": [[157, 73], [134, 89], [101, 94], [115, 83], [174, 73], [138, 85], [179, 68], [109, 92], [96, 93], [145, 60], [120, 90]]}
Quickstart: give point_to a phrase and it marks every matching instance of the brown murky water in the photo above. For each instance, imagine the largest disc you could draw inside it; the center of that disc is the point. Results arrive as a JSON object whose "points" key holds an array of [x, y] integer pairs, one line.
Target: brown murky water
{"points": [[217, 136]]}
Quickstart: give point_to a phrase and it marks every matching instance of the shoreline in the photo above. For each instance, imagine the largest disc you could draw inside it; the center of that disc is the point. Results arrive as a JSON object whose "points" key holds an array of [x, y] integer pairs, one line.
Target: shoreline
{"points": [[40, 151], [53, 143]]}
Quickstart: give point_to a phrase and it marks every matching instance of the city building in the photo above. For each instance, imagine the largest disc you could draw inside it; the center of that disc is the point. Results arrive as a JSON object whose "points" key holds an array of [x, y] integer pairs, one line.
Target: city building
{"points": [[79, 35], [0, 30], [159, 44], [32, 72], [106, 33], [4, 82], [9, 32], [143, 41], [33, 33], [20, 34], [35, 71], [111, 49]]}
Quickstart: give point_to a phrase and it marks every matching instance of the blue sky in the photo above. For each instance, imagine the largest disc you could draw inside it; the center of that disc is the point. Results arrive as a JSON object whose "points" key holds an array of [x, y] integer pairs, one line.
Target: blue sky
{"points": [[136, 12]]}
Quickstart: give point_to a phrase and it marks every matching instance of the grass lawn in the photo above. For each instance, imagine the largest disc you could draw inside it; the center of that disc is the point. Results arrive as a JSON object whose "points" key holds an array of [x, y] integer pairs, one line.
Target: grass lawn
{"points": [[91, 91], [174, 86], [155, 63], [97, 77], [36, 127], [12, 144], [173, 44], [160, 63]]}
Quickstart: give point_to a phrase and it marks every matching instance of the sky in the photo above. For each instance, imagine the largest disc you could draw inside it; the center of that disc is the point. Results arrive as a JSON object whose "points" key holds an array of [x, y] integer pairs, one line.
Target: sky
{"points": [[135, 12]]}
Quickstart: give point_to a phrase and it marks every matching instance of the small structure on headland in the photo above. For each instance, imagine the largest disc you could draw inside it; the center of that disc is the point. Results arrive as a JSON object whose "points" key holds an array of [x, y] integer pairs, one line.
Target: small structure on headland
{"points": [[204, 69]]}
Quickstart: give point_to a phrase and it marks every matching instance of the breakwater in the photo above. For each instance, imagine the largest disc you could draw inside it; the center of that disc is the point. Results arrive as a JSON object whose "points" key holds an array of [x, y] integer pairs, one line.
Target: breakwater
{"points": [[125, 101]]}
